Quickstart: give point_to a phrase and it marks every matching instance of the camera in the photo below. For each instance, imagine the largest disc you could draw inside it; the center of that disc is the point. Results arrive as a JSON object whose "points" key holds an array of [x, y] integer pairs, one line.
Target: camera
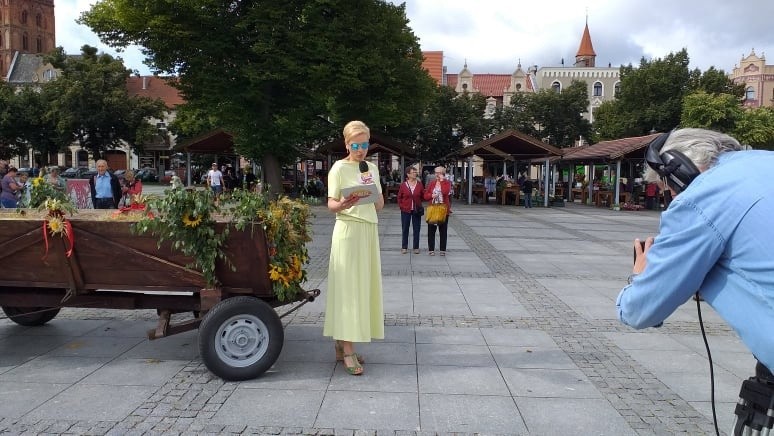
{"points": [[634, 250]]}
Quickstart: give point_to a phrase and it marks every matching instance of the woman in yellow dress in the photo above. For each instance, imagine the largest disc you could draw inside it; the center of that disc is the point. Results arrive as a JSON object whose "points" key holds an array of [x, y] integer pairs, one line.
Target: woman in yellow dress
{"points": [[353, 309]]}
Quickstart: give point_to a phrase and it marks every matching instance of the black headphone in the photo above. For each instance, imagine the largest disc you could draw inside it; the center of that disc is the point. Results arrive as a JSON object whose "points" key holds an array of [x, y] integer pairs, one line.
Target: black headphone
{"points": [[672, 166]]}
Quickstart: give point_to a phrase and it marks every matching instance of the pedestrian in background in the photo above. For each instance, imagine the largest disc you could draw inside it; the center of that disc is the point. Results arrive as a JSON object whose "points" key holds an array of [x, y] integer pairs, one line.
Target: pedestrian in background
{"points": [[438, 191], [410, 195]]}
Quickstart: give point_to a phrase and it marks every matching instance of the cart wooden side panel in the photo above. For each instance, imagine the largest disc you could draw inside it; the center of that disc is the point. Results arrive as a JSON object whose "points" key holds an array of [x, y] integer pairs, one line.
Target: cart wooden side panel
{"points": [[108, 255]]}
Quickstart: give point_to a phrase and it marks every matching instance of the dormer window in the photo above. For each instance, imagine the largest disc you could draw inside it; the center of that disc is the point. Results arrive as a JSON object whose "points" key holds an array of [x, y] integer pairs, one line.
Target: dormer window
{"points": [[518, 86], [464, 86]]}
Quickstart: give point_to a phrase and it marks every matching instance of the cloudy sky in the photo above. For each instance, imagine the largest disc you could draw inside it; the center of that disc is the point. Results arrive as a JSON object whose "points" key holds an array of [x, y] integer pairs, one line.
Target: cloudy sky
{"points": [[492, 35]]}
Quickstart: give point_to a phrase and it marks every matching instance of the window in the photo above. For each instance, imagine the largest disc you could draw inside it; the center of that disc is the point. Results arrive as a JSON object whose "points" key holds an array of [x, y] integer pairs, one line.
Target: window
{"points": [[597, 89], [749, 93], [24, 17], [49, 75], [617, 88], [25, 42], [556, 87], [38, 20], [38, 45], [518, 86]]}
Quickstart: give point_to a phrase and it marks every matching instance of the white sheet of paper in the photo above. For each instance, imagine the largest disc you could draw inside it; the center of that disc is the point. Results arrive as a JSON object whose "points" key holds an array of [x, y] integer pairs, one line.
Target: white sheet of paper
{"points": [[367, 193]]}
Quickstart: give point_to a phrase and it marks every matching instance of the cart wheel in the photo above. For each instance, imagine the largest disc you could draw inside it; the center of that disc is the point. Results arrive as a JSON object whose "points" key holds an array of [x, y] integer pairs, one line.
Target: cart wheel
{"points": [[240, 338], [30, 316]]}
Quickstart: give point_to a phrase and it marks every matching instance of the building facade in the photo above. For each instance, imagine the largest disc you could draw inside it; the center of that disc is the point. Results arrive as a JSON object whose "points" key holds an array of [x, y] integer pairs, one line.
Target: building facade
{"points": [[26, 26], [602, 82], [758, 79]]}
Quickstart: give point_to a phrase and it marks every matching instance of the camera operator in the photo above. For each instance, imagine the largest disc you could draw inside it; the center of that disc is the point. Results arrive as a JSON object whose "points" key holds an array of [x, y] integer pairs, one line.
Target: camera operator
{"points": [[715, 238]]}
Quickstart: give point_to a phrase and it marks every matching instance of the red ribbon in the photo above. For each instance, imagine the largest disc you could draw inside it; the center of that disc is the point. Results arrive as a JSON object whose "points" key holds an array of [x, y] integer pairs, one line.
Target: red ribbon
{"points": [[68, 232], [45, 239], [70, 237]]}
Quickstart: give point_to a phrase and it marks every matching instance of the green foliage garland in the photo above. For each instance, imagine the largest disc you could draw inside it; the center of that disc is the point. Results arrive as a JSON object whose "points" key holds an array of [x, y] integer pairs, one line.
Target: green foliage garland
{"points": [[185, 217], [286, 224]]}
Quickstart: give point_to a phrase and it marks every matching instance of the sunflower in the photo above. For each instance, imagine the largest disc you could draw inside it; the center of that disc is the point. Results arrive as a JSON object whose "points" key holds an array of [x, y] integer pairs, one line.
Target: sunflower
{"points": [[275, 273], [56, 226], [188, 221]]}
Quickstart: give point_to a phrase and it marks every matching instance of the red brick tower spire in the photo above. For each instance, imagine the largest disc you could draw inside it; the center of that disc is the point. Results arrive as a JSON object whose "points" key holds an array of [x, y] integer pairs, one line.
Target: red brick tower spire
{"points": [[26, 26]]}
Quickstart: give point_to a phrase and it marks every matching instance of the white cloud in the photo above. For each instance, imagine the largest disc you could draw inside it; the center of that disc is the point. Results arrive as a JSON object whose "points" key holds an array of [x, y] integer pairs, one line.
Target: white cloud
{"points": [[493, 34]]}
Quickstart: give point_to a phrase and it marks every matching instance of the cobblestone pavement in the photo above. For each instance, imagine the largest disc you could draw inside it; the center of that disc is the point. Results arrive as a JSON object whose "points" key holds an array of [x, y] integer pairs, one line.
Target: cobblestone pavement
{"points": [[646, 398]]}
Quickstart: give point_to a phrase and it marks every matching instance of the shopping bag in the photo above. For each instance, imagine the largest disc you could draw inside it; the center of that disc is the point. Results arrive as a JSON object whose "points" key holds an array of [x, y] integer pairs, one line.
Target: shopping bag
{"points": [[436, 213]]}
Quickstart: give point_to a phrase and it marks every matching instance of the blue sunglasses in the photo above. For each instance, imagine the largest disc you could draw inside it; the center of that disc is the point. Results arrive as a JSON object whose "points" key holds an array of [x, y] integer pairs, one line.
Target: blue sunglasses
{"points": [[355, 146]]}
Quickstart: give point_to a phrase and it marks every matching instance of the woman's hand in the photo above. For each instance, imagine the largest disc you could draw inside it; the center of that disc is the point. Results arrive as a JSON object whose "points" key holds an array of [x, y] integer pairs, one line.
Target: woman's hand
{"points": [[337, 206]]}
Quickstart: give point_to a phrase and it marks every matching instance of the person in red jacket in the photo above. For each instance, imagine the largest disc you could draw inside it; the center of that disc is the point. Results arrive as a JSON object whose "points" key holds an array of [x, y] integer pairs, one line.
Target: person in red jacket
{"points": [[410, 203], [438, 191]]}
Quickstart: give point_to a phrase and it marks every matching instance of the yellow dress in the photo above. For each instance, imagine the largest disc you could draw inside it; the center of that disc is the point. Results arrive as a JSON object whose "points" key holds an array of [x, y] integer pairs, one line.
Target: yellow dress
{"points": [[353, 304]]}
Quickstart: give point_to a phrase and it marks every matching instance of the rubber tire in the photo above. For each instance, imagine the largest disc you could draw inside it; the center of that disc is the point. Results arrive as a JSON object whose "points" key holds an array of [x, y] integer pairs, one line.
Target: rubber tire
{"points": [[239, 318], [21, 315]]}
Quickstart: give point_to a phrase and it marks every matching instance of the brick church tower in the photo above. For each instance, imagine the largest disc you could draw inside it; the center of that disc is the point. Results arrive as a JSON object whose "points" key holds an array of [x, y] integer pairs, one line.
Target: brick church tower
{"points": [[26, 26]]}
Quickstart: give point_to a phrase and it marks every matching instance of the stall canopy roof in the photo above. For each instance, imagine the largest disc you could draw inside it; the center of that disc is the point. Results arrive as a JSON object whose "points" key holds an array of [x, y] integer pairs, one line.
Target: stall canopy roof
{"points": [[219, 141], [607, 151], [378, 142], [509, 145]]}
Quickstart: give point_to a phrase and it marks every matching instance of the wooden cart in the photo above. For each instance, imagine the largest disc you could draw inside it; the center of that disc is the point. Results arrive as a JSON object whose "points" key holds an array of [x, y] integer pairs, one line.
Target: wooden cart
{"points": [[240, 333]]}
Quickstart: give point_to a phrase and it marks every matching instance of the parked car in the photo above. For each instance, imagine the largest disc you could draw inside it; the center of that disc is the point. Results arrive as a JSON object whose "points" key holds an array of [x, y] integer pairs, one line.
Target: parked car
{"points": [[74, 173], [89, 173], [147, 175]]}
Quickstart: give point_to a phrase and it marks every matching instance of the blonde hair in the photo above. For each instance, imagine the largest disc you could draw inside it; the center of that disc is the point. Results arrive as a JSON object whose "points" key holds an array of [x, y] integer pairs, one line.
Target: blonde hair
{"points": [[355, 128], [129, 173], [441, 169]]}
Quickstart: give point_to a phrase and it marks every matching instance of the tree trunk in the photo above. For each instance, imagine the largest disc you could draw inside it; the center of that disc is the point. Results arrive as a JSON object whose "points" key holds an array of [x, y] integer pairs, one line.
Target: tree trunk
{"points": [[272, 174]]}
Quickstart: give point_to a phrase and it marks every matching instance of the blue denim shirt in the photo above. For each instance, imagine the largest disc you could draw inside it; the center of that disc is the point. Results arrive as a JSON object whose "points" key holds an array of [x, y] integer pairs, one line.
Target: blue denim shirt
{"points": [[102, 186], [717, 238]]}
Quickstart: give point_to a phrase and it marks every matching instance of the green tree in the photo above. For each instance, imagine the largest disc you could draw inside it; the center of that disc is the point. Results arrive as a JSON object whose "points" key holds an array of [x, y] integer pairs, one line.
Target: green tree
{"points": [[24, 124], [11, 141], [451, 119], [651, 96], [270, 73], [714, 81], [755, 127], [555, 117], [91, 105], [515, 115], [710, 111]]}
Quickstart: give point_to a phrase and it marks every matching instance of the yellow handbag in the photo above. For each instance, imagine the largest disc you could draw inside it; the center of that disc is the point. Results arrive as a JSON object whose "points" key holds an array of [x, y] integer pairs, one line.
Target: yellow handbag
{"points": [[436, 213]]}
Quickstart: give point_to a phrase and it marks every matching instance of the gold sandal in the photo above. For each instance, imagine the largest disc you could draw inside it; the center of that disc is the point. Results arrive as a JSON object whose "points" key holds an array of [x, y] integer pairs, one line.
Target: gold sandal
{"points": [[356, 368], [340, 354]]}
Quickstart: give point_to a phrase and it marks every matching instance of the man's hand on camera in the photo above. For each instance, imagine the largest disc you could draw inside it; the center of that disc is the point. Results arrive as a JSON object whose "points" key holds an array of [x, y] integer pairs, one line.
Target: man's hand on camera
{"points": [[640, 250]]}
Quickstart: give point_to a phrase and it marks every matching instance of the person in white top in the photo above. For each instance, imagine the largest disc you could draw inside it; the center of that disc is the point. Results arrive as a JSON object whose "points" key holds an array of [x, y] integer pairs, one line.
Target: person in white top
{"points": [[215, 180]]}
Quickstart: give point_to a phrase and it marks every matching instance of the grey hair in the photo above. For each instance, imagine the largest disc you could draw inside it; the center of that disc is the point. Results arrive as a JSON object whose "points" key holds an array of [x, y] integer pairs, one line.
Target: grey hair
{"points": [[701, 146]]}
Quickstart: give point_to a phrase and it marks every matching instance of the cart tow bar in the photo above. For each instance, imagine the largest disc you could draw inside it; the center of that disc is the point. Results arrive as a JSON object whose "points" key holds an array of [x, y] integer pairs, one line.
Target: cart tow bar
{"points": [[309, 296]]}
